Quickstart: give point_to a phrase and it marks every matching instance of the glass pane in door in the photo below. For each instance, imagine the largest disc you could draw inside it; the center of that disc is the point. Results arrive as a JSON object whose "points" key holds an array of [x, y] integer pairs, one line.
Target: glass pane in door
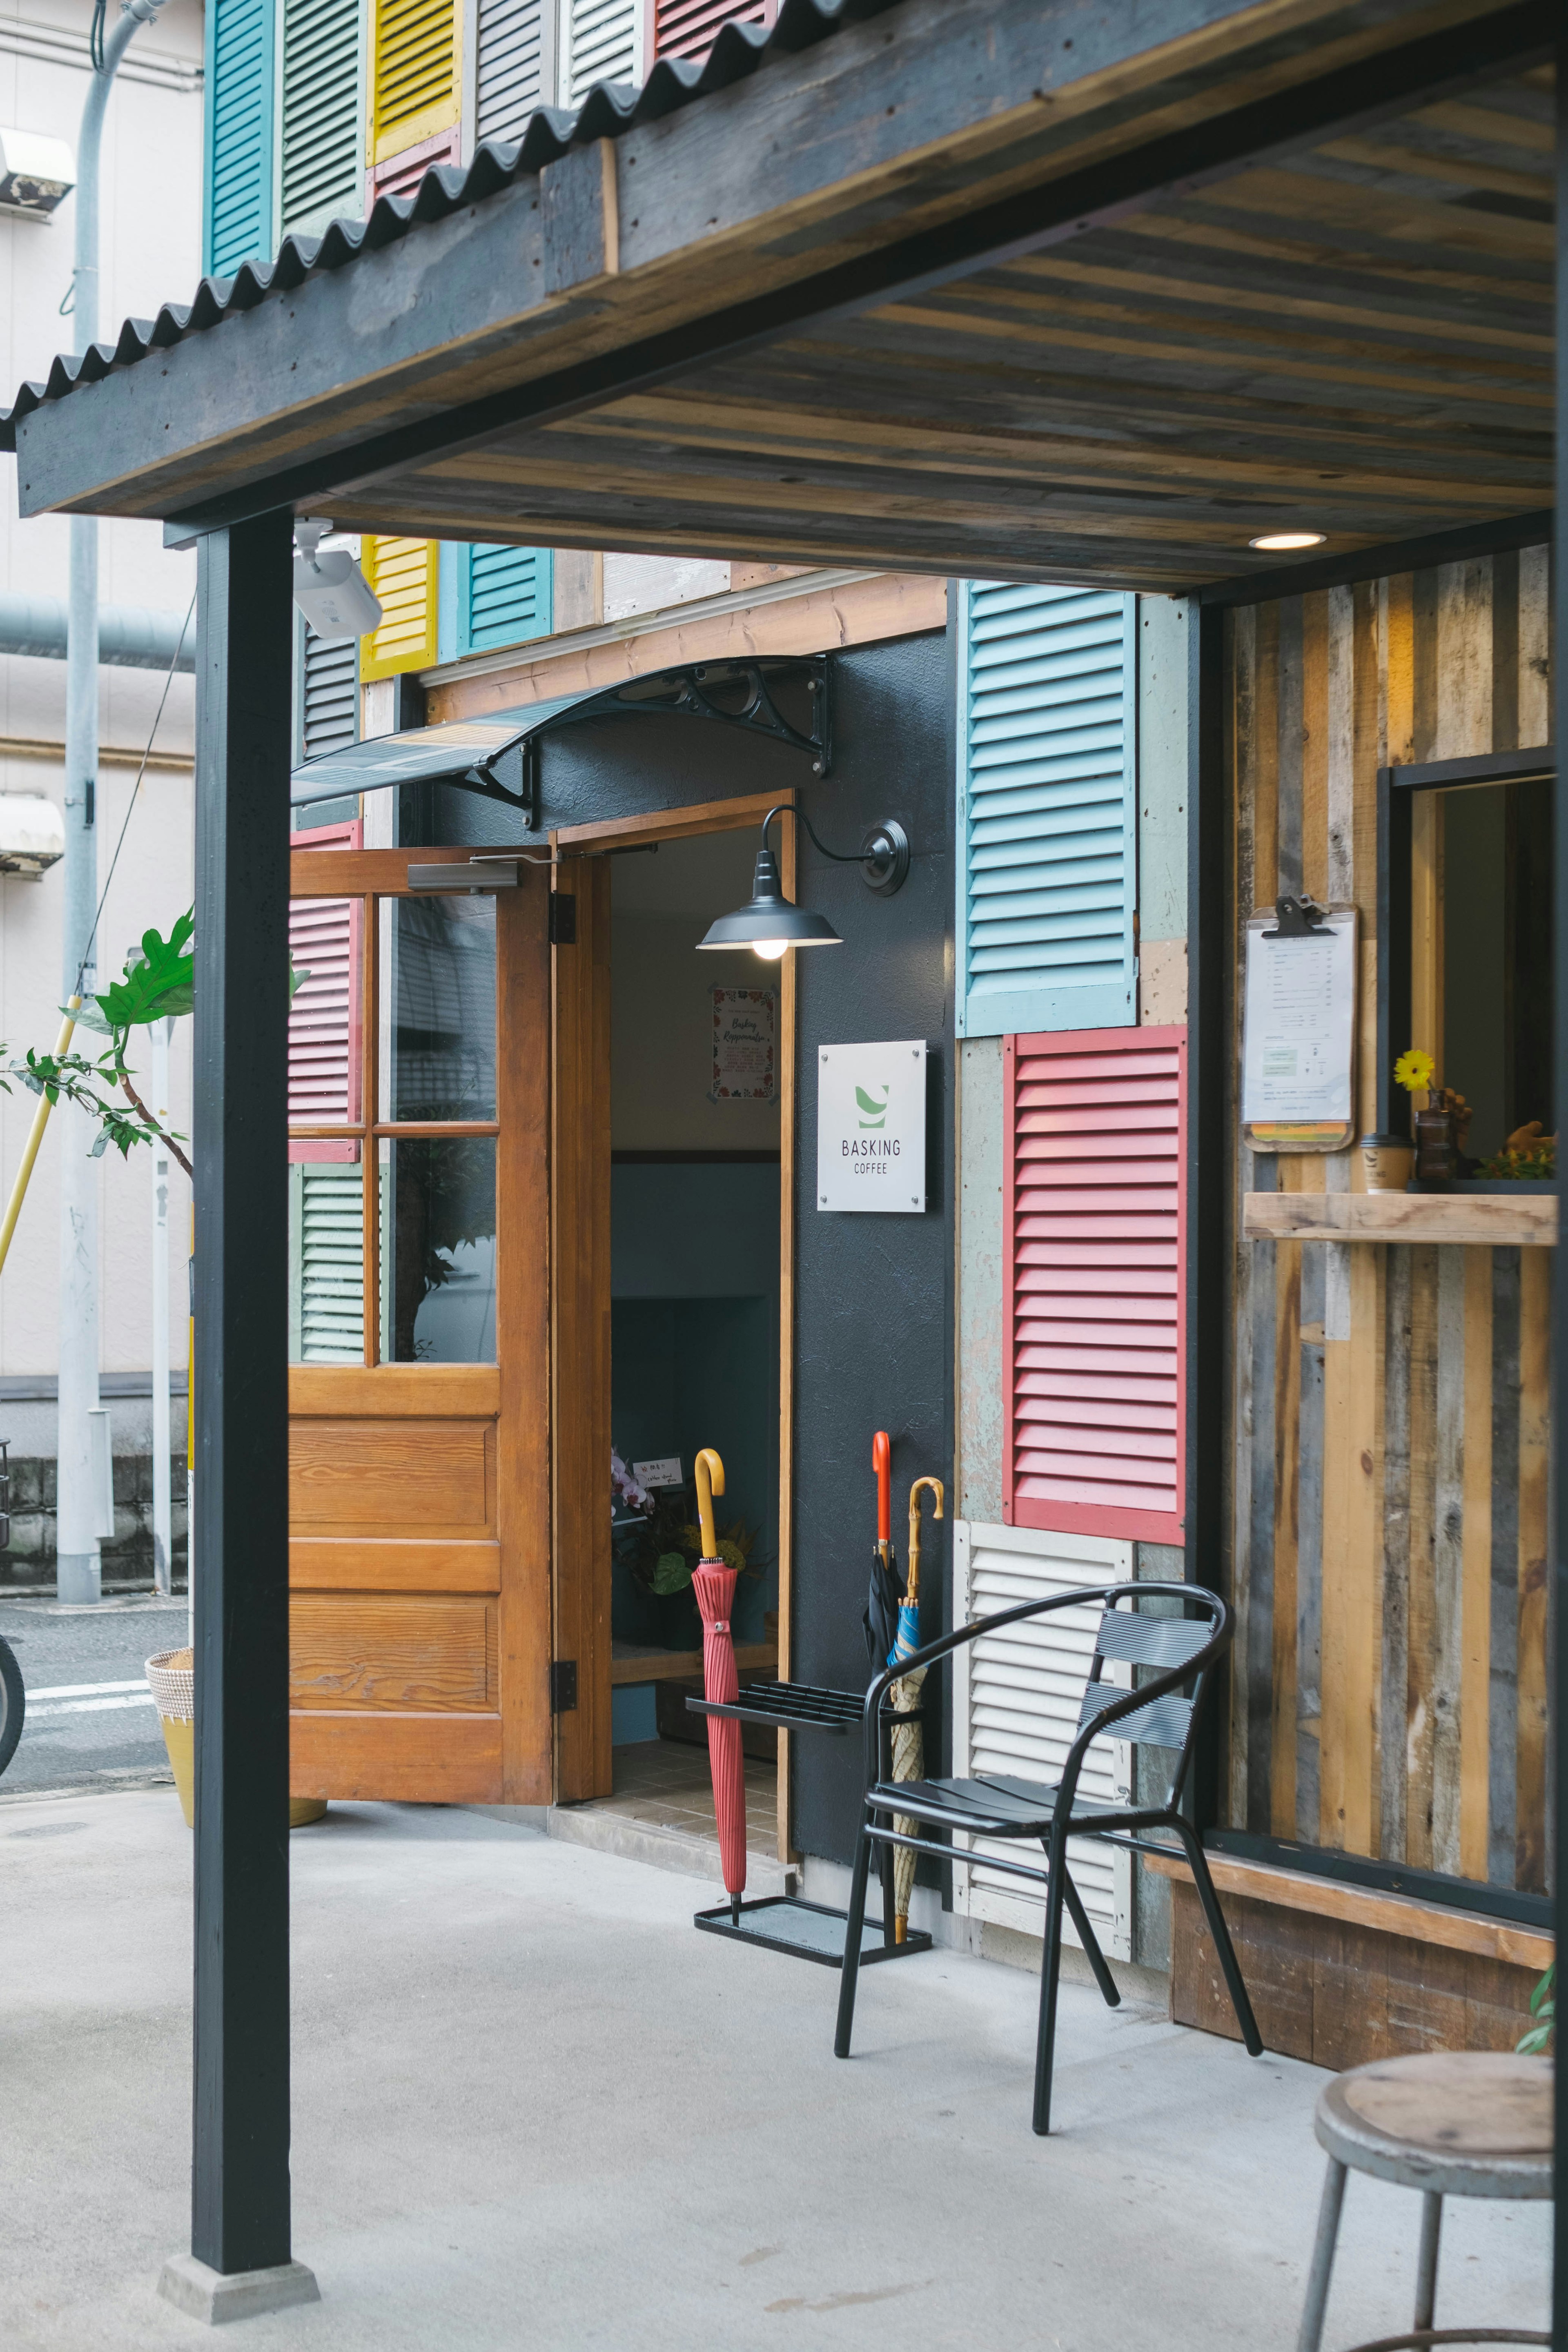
{"points": [[439, 1008], [438, 1249]]}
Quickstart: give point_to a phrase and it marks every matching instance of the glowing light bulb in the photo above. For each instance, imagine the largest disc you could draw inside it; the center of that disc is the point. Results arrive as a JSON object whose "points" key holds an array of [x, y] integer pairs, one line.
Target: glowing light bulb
{"points": [[771, 950], [1284, 543]]}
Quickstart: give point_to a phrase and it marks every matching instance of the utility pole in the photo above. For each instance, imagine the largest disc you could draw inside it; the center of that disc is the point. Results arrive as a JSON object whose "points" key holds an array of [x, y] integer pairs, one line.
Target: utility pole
{"points": [[80, 1567]]}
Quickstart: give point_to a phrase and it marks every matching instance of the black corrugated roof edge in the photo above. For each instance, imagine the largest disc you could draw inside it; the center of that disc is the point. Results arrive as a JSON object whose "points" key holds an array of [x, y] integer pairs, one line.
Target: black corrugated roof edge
{"points": [[609, 109]]}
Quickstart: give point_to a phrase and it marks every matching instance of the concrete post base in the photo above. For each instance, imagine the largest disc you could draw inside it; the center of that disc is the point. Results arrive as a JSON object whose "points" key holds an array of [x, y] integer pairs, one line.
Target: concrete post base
{"points": [[202, 2293], [79, 1577]]}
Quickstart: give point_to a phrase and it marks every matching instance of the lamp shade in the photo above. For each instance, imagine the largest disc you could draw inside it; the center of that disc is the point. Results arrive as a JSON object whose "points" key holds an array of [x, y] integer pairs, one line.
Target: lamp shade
{"points": [[770, 923]]}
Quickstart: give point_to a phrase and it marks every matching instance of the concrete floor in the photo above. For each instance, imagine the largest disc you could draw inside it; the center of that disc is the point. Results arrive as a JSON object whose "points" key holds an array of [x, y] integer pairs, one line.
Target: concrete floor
{"points": [[534, 2107]]}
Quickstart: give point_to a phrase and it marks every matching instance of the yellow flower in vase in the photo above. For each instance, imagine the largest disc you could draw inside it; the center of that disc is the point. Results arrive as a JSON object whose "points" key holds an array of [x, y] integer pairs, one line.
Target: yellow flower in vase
{"points": [[1415, 1071]]}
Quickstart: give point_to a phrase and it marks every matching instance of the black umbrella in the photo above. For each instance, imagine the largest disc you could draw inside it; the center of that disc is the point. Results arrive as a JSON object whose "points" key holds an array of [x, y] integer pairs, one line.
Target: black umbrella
{"points": [[881, 1618]]}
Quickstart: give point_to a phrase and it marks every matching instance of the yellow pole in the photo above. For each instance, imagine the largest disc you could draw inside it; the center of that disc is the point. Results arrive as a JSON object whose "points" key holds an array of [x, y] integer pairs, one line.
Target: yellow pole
{"points": [[34, 1138]]}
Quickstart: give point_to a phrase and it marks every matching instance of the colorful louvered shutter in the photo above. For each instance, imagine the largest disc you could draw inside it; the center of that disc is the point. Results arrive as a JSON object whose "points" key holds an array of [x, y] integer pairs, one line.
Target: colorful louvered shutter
{"points": [[508, 69], [326, 1288], [504, 596], [1047, 809], [403, 574], [238, 223], [689, 28], [323, 100], [325, 1038], [1093, 1209], [329, 696], [603, 45], [416, 74]]}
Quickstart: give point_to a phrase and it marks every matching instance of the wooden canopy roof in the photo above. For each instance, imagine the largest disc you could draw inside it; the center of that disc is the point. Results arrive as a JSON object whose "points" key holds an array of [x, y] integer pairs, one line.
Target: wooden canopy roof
{"points": [[1015, 289]]}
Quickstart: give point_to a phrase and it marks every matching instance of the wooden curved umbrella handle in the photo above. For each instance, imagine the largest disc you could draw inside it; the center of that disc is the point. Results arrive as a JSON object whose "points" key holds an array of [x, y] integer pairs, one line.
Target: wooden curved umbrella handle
{"points": [[882, 1463], [710, 1475], [912, 1565]]}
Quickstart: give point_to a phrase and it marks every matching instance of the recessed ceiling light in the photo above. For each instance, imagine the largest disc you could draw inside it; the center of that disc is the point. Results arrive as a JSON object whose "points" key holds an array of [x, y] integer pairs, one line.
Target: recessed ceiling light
{"points": [[1282, 543]]}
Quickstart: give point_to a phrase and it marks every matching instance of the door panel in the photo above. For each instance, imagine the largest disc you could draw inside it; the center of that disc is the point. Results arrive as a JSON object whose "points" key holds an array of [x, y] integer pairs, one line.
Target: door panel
{"points": [[419, 1490]]}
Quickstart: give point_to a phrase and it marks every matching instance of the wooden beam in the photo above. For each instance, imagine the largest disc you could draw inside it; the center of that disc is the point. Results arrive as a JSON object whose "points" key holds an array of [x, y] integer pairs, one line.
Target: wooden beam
{"points": [[666, 824]]}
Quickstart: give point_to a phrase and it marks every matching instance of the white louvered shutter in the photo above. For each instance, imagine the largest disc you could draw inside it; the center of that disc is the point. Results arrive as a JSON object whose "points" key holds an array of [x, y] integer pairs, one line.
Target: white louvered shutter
{"points": [[1016, 1703], [603, 45], [329, 696], [1047, 809], [327, 1304], [508, 68], [322, 171]]}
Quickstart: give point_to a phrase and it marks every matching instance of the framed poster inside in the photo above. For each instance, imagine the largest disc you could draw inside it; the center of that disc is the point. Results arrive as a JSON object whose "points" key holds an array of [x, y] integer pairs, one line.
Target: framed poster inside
{"points": [[1298, 1030]]}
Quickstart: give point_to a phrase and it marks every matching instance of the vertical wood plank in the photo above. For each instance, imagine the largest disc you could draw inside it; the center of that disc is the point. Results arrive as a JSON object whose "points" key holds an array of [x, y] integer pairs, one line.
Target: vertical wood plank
{"points": [[1396, 629], [1426, 927], [1395, 1559], [1310, 1548], [1474, 1672], [1502, 1799], [1534, 1489], [1287, 737], [1421, 1602], [1277, 1351], [1313, 754], [1463, 685], [522, 1340], [1505, 652], [1443, 1682], [1422, 666], [1534, 647], [1335, 1570], [1264, 738], [1365, 756], [1340, 751], [580, 1353], [1359, 1596]]}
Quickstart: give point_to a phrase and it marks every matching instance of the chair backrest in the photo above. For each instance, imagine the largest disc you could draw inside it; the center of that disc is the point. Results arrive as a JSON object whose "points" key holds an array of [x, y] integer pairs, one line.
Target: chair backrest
{"points": [[1130, 1638]]}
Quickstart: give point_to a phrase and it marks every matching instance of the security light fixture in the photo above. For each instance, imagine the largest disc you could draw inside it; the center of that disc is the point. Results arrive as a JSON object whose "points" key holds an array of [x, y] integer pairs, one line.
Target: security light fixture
{"points": [[771, 924], [37, 173], [1286, 542], [331, 589]]}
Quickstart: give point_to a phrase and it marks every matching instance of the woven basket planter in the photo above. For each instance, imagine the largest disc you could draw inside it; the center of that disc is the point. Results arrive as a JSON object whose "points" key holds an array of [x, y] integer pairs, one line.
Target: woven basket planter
{"points": [[170, 1678]]}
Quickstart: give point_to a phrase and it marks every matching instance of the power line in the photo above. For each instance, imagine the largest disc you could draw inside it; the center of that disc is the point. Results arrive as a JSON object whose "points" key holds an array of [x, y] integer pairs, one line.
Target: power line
{"points": [[130, 805]]}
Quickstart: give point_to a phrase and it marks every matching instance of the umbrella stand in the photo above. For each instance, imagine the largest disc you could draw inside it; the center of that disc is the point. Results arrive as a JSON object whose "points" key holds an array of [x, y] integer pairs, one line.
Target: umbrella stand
{"points": [[909, 1732], [713, 1581]]}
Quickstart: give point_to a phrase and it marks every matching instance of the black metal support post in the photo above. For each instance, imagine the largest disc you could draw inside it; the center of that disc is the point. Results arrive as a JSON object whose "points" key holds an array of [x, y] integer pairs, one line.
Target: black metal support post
{"points": [[1210, 933], [239, 2179], [1559, 1583]]}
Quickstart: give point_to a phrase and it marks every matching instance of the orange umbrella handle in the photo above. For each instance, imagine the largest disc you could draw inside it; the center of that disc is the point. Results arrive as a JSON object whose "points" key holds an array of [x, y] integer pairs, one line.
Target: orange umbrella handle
{"points": [[709, 1473], [882, 1463], [913, 1565]]}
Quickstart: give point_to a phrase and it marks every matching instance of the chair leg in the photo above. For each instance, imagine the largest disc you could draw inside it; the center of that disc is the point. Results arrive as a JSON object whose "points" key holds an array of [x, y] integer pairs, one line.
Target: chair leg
{"points": [[1090, 1940], [1221, 1934], [1050, 1971], [1318, 2277], [1426, 2266], [856, 1921]]}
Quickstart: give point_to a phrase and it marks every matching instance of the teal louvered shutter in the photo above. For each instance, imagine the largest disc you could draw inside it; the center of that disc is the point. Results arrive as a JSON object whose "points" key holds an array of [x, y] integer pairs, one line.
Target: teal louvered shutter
{"points": [[1047, 809], [322, 171], [326, 1270], [504, 596], [237, 226]]}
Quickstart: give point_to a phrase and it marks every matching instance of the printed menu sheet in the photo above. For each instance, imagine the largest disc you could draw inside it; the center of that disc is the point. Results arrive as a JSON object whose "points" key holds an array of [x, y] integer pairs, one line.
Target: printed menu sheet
{"points": [[1297, 1081]]}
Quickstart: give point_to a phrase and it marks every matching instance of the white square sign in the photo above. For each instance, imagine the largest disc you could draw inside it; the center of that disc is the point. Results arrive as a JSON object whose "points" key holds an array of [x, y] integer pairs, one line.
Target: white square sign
{"points": [[872, 1128]]}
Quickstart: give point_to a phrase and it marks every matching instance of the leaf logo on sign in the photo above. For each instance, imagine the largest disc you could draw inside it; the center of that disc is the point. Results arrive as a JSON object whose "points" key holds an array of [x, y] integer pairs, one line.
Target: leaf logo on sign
{"points": [[874, 1113]]}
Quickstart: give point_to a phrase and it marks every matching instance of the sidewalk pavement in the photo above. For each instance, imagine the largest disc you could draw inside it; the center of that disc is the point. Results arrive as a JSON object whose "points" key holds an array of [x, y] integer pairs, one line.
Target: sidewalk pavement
{"points": [[534, 2109]]}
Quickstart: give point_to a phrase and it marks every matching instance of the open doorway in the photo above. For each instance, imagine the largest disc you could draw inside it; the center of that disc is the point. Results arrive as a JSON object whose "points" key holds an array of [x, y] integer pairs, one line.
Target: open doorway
{"points": [[694, 1314]]}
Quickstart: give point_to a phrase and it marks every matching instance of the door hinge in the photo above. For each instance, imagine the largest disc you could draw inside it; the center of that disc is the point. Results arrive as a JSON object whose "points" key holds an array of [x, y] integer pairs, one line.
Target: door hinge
{"points": [[563, 1687], [563, 919]]}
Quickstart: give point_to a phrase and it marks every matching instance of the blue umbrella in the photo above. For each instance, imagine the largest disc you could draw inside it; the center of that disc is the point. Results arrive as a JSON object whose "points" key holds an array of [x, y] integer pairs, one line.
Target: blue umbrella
{"points": [[908, 1738]]}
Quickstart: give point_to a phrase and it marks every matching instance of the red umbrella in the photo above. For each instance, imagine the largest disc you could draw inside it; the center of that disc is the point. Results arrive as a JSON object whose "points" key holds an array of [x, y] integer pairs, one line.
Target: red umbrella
{"points": [[714, 1585]]}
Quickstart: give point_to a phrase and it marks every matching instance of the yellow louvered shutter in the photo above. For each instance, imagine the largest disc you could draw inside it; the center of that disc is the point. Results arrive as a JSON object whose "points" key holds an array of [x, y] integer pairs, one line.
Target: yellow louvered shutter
{"points": [[403, 572], [416, 79]]}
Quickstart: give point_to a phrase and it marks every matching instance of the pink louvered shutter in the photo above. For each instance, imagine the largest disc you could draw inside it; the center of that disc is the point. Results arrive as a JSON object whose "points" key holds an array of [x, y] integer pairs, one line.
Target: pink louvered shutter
{"points": [[324, 1031], [1093, 1205], [689, 28]]}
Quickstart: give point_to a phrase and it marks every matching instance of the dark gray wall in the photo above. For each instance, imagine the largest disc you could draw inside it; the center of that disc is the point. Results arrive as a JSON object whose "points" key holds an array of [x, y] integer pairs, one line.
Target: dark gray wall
{"points": [[874, 1293]]}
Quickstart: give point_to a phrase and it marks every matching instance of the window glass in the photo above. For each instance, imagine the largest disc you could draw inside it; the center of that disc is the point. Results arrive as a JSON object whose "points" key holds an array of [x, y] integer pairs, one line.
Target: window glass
{"points": [[438, 1249], [439, 1008]]}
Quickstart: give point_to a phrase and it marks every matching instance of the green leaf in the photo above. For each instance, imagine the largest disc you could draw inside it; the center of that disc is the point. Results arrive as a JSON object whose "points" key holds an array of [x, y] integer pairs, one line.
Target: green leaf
{"points": [[295, 977], [671, 1572]]}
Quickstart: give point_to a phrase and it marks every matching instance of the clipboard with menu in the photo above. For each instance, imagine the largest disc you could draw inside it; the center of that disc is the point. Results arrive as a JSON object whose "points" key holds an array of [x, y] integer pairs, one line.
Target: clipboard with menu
{"points": [[1299, 1028]]}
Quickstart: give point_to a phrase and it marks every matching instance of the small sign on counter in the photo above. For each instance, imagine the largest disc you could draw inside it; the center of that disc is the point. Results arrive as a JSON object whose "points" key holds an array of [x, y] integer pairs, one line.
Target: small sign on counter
{"points": [[872, 1128]]}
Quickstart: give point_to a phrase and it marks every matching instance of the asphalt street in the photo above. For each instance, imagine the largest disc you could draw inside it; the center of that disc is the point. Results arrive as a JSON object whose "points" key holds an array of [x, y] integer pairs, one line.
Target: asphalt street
{"points": [[90, 1722]]}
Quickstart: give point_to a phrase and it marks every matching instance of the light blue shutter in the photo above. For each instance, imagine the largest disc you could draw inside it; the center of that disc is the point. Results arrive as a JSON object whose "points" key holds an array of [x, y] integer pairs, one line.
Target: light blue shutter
{"points": [[322, 169], [1047, 809], [237, 226], [504, 596], [326, 1271], [510, 68]]}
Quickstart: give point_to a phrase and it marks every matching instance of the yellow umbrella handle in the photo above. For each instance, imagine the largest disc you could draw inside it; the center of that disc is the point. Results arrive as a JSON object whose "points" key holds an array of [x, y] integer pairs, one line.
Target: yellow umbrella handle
{"points": [[709, 1482], [912, 1572]]}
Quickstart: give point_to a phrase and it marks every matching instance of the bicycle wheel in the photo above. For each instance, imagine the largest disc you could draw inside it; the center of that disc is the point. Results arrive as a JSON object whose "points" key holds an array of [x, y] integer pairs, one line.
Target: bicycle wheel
{"points": [[13, 1704]]}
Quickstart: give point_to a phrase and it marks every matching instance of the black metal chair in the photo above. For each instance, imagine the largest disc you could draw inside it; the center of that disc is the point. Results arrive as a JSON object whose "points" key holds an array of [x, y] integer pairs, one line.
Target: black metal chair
{"points": [[1185, 1650]]}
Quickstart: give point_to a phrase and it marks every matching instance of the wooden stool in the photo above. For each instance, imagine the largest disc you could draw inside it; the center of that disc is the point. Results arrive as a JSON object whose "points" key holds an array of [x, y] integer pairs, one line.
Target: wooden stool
{"points": [[1456, 2123]]}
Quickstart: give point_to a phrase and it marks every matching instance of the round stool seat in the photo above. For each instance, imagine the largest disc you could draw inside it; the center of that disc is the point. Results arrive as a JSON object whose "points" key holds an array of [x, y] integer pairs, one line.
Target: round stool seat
{"points": [[1456, 2123]]}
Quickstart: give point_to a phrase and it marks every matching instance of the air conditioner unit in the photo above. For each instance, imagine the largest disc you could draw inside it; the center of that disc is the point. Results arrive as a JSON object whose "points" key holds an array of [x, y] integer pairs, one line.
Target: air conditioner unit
{"points": [[31, 834], [35, 173]]}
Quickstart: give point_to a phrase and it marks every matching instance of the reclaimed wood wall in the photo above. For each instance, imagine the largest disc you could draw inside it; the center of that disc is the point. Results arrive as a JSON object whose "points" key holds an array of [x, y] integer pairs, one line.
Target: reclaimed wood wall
{"points": [[1389, 1403]]}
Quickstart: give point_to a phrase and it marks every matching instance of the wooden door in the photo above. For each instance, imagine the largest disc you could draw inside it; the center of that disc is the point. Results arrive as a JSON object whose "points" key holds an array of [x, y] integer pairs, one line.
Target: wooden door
{"points": [[418, 1467]]}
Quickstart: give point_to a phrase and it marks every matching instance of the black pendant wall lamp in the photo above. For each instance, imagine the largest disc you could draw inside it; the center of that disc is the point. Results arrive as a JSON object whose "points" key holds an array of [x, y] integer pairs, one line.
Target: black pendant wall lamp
{"points": [[771, 924]]}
